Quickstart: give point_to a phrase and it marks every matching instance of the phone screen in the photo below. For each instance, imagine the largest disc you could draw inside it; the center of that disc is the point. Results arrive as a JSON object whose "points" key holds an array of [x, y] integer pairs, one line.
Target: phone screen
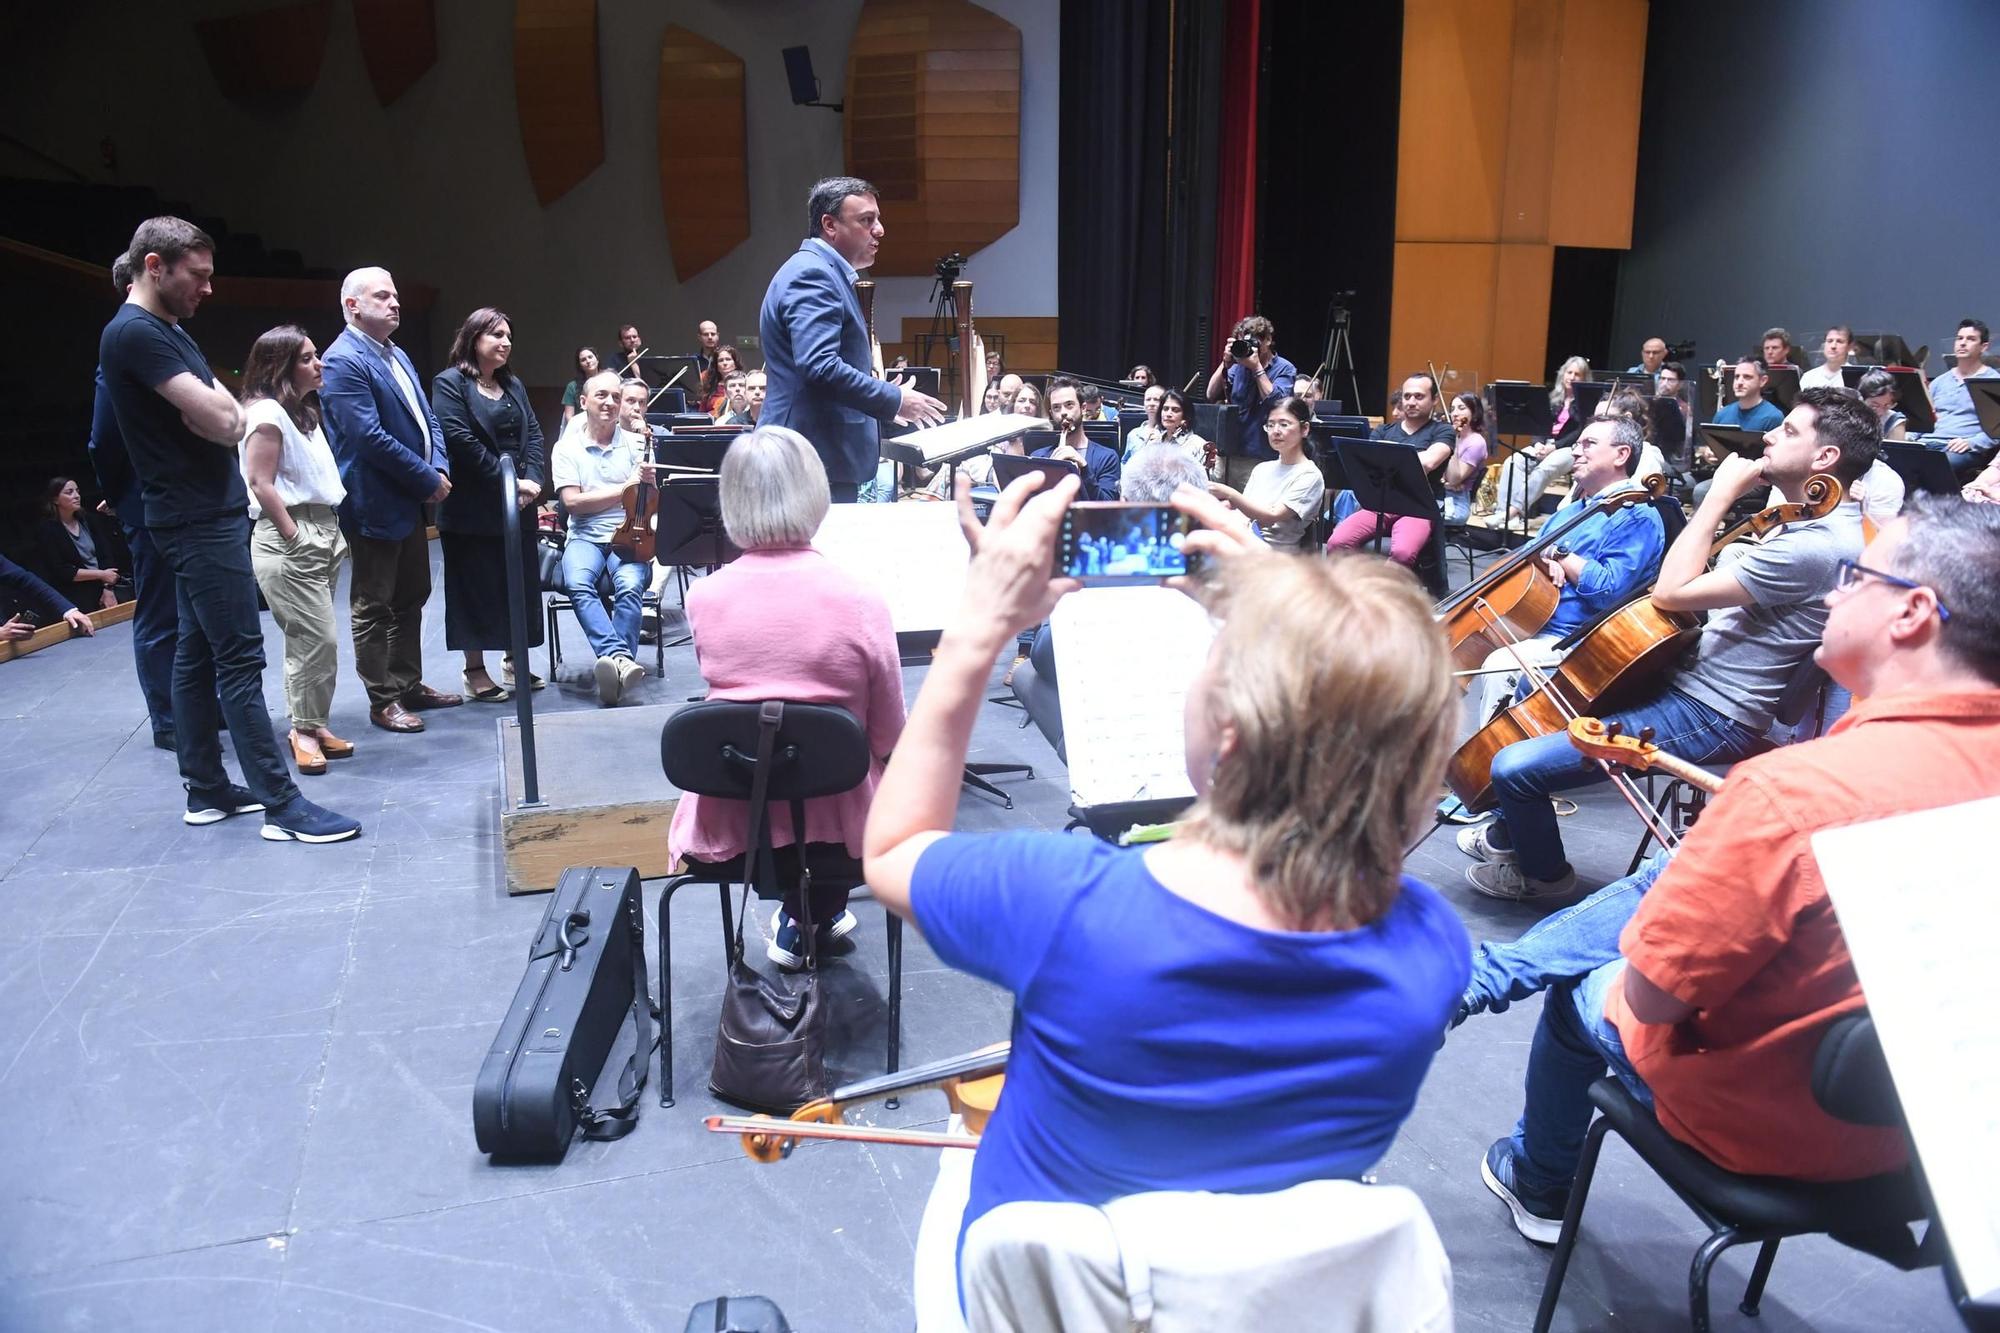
{"points": [[1109, 543]]}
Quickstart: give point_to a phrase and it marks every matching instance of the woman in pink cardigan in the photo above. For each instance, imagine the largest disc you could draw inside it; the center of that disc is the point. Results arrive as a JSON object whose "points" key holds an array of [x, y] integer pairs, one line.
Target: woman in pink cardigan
{"points": [[782, 622]]}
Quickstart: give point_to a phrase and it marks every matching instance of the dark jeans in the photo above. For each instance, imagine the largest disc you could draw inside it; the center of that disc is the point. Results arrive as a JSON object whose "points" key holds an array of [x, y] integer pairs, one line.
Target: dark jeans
{"points": [[844, 492], [1574, 1045], [390, 583], [221, 653], [1570, 944], [155, 623]]}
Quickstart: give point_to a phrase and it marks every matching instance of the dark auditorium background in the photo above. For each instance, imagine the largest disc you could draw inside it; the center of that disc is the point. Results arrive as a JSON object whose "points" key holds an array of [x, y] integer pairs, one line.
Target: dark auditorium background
{"points": [[1709, 168]]}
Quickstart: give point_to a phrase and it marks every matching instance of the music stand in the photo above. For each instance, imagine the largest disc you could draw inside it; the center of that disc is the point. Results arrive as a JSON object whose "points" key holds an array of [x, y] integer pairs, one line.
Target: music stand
{"points": [[1922, 469], [1327, 407], [1782, 386], [1986, 403], [658, 370], [1521, 408], [702, 453], [673, 401], [1587, 395], [1850, 374], [689, 531], [925, 379], [1104, 432], [1387, 478], [1009, 468], [1731, 440]]}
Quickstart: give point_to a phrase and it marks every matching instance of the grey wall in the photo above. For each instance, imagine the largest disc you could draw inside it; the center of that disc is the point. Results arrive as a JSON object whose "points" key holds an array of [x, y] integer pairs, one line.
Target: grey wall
{"points": [[435, 188], [1809, 162]]}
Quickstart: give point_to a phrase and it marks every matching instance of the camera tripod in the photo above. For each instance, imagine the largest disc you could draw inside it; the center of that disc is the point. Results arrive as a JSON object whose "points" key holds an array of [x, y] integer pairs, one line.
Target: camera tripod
{"points": [[1339, 357]]}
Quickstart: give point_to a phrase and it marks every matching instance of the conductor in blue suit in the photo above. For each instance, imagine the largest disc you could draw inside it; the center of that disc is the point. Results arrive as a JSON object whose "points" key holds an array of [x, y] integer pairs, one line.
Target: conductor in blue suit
{"points": [[392, 462], [819, 368]]}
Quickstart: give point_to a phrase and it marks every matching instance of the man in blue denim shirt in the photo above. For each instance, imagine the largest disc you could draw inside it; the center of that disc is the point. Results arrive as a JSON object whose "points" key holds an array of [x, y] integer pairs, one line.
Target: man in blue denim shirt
{"points": [[1255, 382], [1958, 433]]}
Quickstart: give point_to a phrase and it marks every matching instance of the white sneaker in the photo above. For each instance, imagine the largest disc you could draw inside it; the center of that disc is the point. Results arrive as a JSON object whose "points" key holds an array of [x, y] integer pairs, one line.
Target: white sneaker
{"points": [[1504, 880], [629, 673], [1476, 843], [610, 681]]}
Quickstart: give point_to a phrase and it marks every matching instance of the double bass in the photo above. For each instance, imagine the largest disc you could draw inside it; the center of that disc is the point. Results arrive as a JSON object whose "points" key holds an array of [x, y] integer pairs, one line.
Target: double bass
{"points": [[1629, 647], [971, 1084]]}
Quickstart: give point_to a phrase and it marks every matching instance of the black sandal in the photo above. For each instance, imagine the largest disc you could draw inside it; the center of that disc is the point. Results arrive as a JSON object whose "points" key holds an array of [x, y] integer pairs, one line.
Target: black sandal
{"points": [[492, 694]]}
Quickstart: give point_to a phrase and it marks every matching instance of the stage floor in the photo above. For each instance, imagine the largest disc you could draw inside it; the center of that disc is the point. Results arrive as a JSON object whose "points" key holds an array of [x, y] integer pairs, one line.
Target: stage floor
{"points": [[235, 1076]]}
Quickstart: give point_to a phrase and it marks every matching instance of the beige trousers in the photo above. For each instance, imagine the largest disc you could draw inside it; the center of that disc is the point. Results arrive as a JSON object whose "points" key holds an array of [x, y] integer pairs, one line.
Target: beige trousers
{"points": [[297, 579]]}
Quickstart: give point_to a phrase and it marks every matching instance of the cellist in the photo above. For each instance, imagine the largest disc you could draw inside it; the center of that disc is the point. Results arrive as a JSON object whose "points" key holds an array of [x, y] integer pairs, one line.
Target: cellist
{"points": [[1252, 1004], [1596, 564], [1752, 658]]}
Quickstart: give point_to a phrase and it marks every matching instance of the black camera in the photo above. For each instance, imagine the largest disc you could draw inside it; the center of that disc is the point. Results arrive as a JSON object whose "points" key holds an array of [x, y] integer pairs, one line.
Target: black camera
{"points": [[950, 267], [1241, 347]]}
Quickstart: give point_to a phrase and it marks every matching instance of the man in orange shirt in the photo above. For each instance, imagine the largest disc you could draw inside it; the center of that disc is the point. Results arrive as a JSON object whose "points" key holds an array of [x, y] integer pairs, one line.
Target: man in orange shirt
{"points": [[1734, 965]]}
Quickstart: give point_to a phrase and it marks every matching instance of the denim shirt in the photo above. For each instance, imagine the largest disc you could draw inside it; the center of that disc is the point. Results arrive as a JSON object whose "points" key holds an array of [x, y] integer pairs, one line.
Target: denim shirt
{"points": [[1621, 554]]}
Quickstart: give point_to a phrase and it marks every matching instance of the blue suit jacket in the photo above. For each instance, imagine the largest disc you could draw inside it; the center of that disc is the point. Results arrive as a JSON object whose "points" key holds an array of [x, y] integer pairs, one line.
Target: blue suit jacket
{"points": [[389, 461], [818, 370]]}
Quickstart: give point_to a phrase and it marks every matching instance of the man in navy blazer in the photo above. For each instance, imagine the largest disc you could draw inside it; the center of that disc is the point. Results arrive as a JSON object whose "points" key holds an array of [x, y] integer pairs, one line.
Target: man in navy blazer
{"points": [[392, 461], [819, 368]]}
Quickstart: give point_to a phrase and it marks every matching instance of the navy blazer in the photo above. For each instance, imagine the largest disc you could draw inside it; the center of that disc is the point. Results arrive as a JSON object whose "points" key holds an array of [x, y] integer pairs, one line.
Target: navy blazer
{"points": [[31, 591], [474, 502], [389, 461], [1102, 470], [818, 368], [110, 460]]}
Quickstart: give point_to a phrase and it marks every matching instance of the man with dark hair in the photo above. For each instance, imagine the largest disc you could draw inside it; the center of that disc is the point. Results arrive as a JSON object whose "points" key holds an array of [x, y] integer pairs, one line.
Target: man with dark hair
{"points": [[1958, 432], [754, 388], [818, 363], [1750, 410], [630, 344], [1099, 461], [155, 612], [1254, 381], [1752, 664], [735, 410], [1776, 346], [1708, 991], [1833, 352], [181, 431]]}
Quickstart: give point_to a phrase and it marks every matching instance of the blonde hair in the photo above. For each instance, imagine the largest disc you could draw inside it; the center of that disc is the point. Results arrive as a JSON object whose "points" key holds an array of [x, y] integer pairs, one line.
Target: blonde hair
{"points": [[1558, 394], [1337, 684]]}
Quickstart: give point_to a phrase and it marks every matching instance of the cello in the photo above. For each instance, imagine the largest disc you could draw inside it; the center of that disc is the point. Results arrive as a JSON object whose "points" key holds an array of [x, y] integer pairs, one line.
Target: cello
{"points": [[1515, 592], [971, 1084], [1628, 647]]}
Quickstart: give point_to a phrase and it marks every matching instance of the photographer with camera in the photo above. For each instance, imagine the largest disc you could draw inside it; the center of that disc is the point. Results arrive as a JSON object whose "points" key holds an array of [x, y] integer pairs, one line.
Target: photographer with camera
{"points": [[1253, 377]]}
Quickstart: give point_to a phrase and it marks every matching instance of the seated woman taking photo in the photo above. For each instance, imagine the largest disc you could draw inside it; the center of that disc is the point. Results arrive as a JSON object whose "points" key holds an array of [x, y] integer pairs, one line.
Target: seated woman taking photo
{"points": [[1254, 1003], [782, 622]]}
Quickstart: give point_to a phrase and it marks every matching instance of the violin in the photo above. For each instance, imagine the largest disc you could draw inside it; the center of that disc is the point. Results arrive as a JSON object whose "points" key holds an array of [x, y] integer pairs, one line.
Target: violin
{"points": [[1626, 648], [1515, 592], [971, 1084], [634, 538]]}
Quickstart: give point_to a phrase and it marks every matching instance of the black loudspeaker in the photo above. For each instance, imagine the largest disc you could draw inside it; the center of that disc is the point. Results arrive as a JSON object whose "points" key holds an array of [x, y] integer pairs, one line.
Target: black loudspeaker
{"points": [[799, 73]]}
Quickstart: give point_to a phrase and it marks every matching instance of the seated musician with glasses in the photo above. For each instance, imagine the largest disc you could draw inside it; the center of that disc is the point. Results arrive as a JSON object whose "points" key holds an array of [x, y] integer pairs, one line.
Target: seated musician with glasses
{"points": [[1254, 1003], [1706, 982], [1751, 665], [589, 469]]}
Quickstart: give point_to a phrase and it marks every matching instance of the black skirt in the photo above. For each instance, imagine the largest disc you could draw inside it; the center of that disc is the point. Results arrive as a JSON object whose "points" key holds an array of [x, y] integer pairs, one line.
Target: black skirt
{"points": [[475, 589]]}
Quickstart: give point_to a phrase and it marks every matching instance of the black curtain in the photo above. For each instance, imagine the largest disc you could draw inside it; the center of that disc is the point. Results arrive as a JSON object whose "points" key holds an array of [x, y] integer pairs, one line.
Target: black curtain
{"points": [[1333, 78], [1583, 296], [1141, 87]]}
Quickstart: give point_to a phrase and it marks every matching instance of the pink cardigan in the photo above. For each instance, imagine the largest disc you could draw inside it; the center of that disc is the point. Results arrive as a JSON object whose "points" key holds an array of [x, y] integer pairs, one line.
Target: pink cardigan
{"points": [[785, 623]]}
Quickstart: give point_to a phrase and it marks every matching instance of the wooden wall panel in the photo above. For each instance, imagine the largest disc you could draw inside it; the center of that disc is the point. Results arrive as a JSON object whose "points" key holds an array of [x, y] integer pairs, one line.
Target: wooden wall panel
{"points": [[398, 43], [1518, 346], [704, 150], [1451, 146], [1443, 309], [556, 93], [934, 120], [268, 57], [1597, 104]]}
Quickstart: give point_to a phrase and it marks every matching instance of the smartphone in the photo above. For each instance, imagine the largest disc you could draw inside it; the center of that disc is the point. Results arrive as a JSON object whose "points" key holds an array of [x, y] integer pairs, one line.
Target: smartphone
{"points": [[1104, 542]]}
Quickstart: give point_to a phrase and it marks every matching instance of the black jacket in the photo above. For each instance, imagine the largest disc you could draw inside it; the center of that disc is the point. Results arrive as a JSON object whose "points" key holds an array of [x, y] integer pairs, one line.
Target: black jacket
{"points": [[474, 502], [57, 560]]}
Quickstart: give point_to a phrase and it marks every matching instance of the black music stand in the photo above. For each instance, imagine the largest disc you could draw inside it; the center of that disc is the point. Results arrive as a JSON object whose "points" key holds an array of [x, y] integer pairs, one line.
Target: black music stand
{"points": [[1521, 408], [1921, 468], [657, 370], [1913, 399], [925, 379], [1387, 478], [690, 452], [1009, 468], [1850, 374], [669, 402], [1587, 395], [1986, 403], [1731, 440], [1105, 433], [1782, 386], [1326, 408]]}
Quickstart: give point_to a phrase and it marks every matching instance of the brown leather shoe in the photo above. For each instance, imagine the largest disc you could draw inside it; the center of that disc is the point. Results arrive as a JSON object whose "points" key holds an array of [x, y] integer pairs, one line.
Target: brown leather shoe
{"points": [[421, 697], [395, 717], [332, 746], [310, 763]]}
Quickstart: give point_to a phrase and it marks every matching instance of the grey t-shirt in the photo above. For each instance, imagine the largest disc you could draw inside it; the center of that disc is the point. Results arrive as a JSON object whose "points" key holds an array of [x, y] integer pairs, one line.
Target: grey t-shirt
{"points": [[1749, 657]]}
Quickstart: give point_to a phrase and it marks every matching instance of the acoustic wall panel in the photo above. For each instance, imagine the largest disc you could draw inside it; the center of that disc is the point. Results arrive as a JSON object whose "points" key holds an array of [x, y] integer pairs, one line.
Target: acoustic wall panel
{"points": [[556, 93], [398, 43], [934, 121], [268, 57], [704, 150]]}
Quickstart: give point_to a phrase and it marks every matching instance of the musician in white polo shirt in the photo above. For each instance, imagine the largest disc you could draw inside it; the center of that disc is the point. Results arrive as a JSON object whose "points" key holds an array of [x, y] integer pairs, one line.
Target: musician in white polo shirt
{"points": [[590, 469]]}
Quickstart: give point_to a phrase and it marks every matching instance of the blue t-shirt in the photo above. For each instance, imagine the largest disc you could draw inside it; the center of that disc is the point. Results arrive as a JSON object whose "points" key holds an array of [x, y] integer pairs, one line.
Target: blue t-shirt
{"points": [[1764, 416], [1160, 1046]]}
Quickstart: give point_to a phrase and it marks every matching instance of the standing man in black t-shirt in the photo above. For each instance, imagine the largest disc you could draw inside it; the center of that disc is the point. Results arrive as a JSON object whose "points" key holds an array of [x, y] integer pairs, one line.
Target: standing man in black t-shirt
{"points": [[181, 429]]}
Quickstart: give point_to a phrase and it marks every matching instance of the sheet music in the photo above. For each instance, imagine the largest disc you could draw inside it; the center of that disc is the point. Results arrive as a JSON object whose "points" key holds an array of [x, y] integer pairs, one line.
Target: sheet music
{"points": [[1125, 657], [911, 553], [966, 435], [1916, 904]]}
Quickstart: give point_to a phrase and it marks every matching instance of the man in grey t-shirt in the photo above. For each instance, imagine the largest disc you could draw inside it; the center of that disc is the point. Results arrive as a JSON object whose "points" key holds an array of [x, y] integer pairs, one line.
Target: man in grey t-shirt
{"points": [[1766, 615]]}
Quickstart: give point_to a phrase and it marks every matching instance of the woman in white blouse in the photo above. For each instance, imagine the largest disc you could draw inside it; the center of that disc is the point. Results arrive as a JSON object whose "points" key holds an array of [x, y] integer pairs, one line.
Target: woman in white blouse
{"points": [[296, 547]]}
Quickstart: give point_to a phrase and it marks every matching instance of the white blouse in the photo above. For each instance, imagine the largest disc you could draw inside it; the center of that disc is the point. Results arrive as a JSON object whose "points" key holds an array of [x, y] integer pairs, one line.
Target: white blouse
{"points": [[307, 472]]}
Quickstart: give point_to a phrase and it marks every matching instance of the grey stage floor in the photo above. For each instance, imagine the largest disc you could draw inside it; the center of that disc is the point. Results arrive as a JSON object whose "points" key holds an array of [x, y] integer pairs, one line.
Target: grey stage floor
{"points": [[235, 1076]]}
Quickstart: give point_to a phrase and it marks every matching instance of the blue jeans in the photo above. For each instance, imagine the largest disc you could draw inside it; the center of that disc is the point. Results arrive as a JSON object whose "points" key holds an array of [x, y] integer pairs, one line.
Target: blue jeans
{"points": [[584, 563], [1457, 506], [1527, 773], [1574, 1045], [155, 626], [221, 653], [1570, 944], [1965, 466]]}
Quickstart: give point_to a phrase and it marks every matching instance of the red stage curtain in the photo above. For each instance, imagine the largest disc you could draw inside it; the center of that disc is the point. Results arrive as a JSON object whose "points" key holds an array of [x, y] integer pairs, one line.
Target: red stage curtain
{"points": [[1236, 196]]}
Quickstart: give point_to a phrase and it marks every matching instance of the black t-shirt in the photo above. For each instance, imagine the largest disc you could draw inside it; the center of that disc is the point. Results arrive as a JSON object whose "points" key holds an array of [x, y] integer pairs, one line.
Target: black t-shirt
{"points": [[182, 477]]}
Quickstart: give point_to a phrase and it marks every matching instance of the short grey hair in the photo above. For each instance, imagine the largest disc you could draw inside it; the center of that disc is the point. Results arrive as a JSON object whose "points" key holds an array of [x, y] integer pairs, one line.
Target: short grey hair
{"points": [[1156, 471], [352, 285], [1952, 547], [774, 489], [829, 194]]}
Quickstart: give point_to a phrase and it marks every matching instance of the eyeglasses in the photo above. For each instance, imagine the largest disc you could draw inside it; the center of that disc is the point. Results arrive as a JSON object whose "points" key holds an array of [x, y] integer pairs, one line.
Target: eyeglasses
{"points": [[1851, 573]]}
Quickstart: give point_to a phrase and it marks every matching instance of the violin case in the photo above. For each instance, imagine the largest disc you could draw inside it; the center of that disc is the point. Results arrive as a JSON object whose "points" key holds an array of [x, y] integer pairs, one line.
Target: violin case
{"points": [[586, 983]]}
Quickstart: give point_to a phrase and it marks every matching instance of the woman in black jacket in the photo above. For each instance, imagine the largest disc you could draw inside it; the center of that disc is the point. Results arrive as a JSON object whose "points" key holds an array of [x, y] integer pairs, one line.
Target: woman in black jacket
{"points": [[79, 554], [483, 409]]}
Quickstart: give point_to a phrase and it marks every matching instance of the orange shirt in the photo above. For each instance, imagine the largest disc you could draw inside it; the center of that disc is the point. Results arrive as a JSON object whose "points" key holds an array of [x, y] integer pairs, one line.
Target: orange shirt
{"points": [[1740, 927]]}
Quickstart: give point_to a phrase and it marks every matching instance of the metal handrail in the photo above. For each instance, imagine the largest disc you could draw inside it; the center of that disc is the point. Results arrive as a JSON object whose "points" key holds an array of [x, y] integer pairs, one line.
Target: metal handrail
{"points": [[517, 623]]}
